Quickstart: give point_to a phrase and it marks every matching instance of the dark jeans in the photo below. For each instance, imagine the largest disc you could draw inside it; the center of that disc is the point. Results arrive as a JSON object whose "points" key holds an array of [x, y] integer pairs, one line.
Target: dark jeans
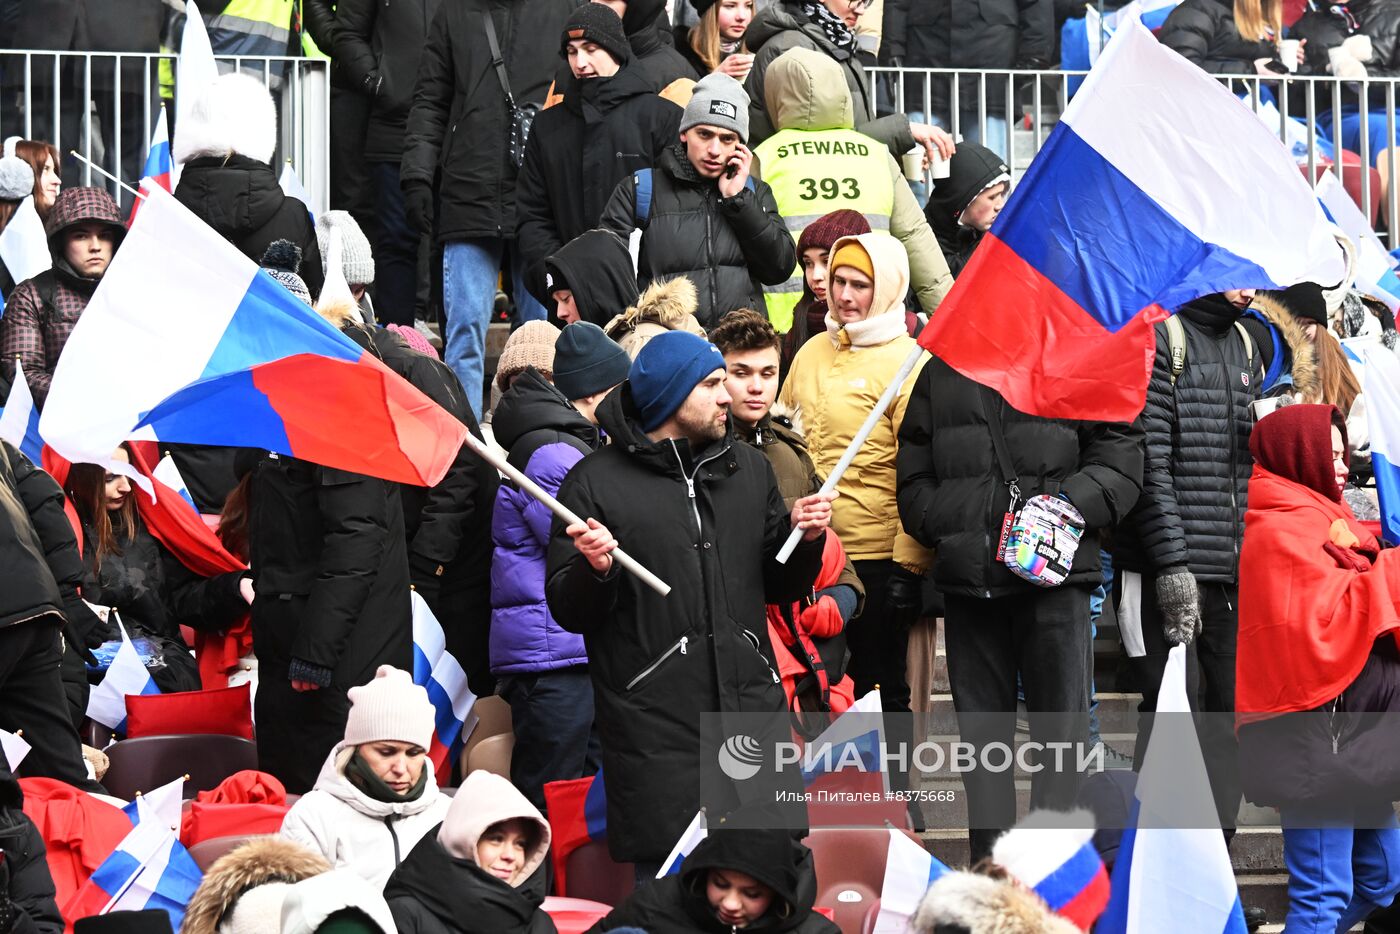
{"points": [[1210, 682], [395, 250], [877, 644], [1044, 636], [32, 699], [552, 716]]}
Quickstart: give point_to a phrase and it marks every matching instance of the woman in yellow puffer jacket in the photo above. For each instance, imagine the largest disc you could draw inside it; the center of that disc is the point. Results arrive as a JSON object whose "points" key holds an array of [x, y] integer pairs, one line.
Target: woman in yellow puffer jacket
{"points": [[835, 383]]}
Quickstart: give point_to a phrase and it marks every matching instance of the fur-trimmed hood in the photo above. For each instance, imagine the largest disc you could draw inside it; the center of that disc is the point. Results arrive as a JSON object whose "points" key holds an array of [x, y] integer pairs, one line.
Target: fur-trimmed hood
{"points": [[260, 861], [234, 116], [1307, 382], [666, 305], [976, 904]]}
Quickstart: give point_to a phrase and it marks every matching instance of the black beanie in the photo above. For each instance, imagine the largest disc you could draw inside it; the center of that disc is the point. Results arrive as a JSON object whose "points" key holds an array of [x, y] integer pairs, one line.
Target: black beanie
{"points": [[596, 23], [1305, 300], [701, 6]]}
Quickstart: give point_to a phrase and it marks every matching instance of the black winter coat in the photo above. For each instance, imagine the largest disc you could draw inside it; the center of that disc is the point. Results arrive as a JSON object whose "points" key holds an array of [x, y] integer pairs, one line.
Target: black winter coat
{"points": [[995, 34], [649, 34], [459, 122], [952, 496], [433, 892], [968, 177], [240, 198], [31, 889], [597, 268], [92, 26], [729, 247], [605, 129], [677, 904], [37, 547], [1204, 32], [659, 662], [1196, 477], [330, 570], [383, 42]]}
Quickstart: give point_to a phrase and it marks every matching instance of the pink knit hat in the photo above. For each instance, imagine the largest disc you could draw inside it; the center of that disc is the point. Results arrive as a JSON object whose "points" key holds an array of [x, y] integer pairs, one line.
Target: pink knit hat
{"points": [[414, 339]]}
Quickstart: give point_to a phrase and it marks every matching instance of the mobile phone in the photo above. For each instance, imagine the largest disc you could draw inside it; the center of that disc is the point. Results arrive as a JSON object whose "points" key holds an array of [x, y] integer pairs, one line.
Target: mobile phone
{"points": [[1277, 67], [731, 170]]}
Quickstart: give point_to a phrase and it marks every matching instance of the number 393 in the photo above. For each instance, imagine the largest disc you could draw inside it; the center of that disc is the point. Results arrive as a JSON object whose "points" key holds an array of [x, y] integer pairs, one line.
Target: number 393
{"points": [[827, 188]]}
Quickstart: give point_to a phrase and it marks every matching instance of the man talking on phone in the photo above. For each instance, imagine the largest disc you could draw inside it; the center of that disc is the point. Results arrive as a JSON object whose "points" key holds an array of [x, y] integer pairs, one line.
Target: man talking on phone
{"points": [[702, 213]]}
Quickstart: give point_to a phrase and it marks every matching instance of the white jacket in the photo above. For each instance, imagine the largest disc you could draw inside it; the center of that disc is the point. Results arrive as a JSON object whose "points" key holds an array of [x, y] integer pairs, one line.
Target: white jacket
{"points": [[355, 832]]}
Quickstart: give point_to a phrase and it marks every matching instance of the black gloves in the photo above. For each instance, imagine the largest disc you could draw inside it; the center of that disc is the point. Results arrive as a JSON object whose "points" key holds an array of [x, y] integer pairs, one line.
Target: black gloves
{"points": [[904, 597], [418, 205]]}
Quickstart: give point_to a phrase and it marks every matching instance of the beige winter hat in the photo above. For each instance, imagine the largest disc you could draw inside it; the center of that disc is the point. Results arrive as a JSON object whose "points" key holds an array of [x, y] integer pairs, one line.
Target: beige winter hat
{"points": [[391, 707]]}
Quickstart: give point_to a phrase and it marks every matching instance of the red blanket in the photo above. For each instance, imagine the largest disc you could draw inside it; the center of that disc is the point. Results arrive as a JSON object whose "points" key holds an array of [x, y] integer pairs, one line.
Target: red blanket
{"points": [[1312, 602], [79, 831]]}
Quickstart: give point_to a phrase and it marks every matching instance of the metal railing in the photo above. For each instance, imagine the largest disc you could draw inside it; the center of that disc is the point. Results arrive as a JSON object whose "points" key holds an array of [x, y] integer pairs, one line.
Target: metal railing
{"points": [[105, 104], [1013, 112]]}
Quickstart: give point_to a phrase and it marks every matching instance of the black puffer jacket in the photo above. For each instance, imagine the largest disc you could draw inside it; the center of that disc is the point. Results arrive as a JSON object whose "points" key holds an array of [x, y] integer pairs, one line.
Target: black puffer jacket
{"points": [[970, 171], [952, 496], [1197, 470], [995, 34], [659, 662], [780, 26], [1204, 32], [729, 247], [239, 197], [31, 889], [606, 129], [377, 49], [678, 905], [459, 122], [37, 547], [432, 892], [649, 34], [598, 271]]}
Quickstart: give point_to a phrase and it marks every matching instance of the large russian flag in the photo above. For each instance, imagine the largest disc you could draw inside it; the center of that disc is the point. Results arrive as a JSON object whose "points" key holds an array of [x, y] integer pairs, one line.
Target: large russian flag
{"points": [[186, 339], [441, 675], [577, 809], [1156, 187]]}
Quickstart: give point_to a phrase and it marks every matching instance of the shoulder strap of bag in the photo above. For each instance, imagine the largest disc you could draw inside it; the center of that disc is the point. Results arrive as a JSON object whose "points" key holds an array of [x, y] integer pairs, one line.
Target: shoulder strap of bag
{"points": [[991, 409], [496, 58], [1176, 347], [641, 212], [1248, 342]]}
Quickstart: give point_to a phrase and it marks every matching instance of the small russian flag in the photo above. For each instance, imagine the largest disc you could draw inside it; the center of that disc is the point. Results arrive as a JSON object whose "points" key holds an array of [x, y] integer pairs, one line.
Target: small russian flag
{"points": [[159, 167], [578, 814], [1053, 854], [698, 830], [440, 674], [126, 675], [19, 419], [909, 871], [149, 869]]}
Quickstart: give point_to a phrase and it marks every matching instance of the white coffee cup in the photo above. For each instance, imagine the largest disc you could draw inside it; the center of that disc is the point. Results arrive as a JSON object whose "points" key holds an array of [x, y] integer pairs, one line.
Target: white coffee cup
{"points": [[912, 163], [938, 166], [1288, 53]]}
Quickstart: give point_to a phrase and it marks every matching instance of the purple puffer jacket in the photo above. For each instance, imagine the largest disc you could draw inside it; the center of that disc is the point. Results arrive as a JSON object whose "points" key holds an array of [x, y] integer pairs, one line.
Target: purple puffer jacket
{"points": [[545, 436]]}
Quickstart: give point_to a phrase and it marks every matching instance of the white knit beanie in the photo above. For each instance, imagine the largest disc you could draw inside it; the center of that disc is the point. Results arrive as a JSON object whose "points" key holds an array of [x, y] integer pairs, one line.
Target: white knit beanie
{"points": [[391, 707], [16, 175], [356, 257]]}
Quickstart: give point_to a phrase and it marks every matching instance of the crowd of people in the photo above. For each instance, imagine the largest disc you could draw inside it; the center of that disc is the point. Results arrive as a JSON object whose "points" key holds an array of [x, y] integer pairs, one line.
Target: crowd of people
{"points": [[713, 260]]}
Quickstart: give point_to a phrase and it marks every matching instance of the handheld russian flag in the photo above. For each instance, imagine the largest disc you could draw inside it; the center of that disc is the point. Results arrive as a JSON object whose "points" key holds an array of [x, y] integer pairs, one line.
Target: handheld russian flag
{"points": [[1381, 382], [440, 674], [15, 747], [698, 830], [126, 675], [578, 814], [909, 871], [213, 350], [19, 420], [291, 186], [23, 245], [1173, 871], [853, 741], [1052, 853], [164, 805], [149, 869], [159, 167], [1118, 220]]}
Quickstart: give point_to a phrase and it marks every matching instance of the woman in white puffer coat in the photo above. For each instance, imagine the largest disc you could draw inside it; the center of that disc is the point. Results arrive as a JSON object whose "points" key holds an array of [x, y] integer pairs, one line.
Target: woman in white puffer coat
{"points": [[376, 795]]}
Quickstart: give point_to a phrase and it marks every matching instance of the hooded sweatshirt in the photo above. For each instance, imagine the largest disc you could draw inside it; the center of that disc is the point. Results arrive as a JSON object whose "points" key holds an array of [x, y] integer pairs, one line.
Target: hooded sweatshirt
{"points": [[440, 889], [42, 311], [597, 269], [678, 904], [835, 383], [971, 171], [649, 34], [810, 106], [354, 831]]}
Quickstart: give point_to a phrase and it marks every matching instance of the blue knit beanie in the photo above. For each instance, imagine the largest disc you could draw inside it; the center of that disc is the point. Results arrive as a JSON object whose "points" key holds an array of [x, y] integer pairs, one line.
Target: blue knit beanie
{"points": [[668, 367]]}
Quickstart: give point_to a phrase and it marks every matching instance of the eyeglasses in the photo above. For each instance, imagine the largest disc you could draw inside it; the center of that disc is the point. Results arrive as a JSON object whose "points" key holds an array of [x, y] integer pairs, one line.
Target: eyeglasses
{"points": [[860, 6]]}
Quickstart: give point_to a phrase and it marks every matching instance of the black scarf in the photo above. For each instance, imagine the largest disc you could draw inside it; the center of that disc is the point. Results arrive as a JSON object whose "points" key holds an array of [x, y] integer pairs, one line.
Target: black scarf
{"points": [[834, 26], [359, 773]]}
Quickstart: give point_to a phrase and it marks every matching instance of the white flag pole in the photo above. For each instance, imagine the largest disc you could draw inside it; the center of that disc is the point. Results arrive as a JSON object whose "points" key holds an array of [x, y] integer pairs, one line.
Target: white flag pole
{"points": [[858, 441]]}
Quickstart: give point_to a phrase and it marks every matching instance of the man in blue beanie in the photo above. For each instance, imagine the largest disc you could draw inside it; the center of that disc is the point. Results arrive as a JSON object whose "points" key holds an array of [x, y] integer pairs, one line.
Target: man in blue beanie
{"points": [[703, 511]]}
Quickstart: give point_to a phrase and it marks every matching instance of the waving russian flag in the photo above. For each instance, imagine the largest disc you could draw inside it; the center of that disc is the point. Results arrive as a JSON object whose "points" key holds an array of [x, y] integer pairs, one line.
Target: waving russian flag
{"points": [[186, 339], [440, 674], [578, 813], [150, 869], [1173, 871], [159, 167], [1156, 187], [909, 871]]}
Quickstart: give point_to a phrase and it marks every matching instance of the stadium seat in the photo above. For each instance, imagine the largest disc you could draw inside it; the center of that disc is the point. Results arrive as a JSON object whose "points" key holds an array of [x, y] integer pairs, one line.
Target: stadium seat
{"points": [[574, 915], [148, 762], [592, 874], [206, 852], [493, 719], [492, 754], [872, 914], [850, 866]]}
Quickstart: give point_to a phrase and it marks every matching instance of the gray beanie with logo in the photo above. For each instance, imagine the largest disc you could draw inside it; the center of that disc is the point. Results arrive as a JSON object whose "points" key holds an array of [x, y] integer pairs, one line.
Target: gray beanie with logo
{"points": [[718, 100]]}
